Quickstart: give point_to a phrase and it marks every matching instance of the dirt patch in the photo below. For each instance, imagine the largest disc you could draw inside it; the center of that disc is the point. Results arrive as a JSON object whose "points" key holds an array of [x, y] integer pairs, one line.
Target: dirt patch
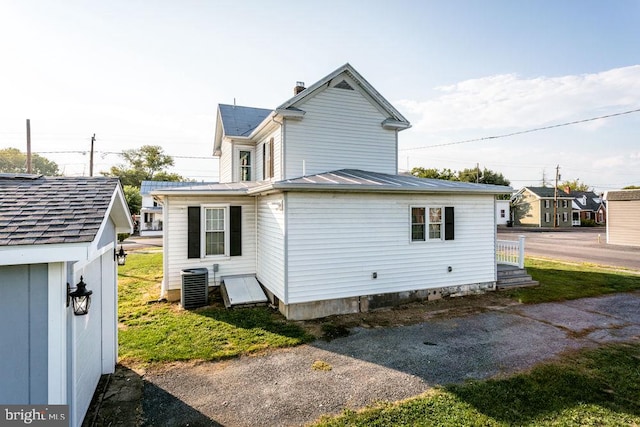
{"points": [[407, 314]]}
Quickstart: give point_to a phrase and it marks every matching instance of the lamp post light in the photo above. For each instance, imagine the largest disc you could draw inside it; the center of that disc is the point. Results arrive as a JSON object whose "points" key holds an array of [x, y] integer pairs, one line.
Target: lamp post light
{"points": [[80, 298]]}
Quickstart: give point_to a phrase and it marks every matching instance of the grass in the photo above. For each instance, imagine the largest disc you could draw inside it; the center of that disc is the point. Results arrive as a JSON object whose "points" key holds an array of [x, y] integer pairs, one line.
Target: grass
{"points": [[163, 332], [598, 387], [563, 281]]}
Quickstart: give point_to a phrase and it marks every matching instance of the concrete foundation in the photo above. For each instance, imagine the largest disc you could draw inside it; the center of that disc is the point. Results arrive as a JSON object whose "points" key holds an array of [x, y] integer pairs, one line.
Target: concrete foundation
{"points": [[318, 309]]}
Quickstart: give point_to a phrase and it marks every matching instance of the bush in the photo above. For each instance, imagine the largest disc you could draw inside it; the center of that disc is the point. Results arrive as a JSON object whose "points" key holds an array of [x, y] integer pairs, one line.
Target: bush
{"points": [[587, 223]]}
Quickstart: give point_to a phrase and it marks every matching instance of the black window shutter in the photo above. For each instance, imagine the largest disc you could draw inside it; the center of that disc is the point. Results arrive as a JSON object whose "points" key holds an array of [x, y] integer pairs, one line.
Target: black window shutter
{"points": [[193, 232], [235, 229], [448, 223]]}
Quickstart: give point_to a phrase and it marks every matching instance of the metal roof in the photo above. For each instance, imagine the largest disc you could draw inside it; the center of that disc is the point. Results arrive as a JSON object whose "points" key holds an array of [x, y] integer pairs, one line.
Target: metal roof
{"points": [[359, 180], [45, 210], [196, 188], [241, 121], [146, 187]]}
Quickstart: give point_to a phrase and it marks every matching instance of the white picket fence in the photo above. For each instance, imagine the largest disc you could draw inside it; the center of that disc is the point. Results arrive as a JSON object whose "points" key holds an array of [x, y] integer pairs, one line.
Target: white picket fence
{"points": [[510, 252]]}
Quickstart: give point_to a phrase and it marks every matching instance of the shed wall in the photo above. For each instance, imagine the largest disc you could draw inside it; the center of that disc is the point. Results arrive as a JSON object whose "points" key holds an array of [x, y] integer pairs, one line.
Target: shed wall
{"points": [[24, 334], [623, 222]]}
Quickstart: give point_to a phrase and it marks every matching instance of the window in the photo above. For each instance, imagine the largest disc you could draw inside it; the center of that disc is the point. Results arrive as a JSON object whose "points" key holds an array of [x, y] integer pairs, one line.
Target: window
{"points": [[432, 223], [565, 216], [214, 231], [502, 213], [587, 215], [417, 224], [267, 159], [435, 223], [547, 217], [245, 165], [565, 204], [547, 205]]}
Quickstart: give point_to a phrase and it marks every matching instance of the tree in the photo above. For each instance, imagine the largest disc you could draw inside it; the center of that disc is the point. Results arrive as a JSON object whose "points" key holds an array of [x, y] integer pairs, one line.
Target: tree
{"points": [[487, 176], [133, 198], [13, 160], [146, 163], [574, 185], [631, 187], [446, 174]]}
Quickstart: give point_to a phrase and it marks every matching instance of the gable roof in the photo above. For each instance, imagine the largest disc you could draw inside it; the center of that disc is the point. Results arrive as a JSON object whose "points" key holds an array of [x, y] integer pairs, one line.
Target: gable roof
{"points": [[546, 192], [394, 115], [241, 122], [37, 210], [592, 202], [623, 195]]}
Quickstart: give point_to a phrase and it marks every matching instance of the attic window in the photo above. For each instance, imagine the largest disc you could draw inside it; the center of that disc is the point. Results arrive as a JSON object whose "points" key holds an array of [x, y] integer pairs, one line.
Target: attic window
{"points": [[343, 85]]}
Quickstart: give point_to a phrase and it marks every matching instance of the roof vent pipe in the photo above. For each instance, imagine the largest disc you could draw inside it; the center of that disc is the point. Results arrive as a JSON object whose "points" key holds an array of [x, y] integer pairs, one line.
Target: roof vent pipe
{"points": [[299, 88]]}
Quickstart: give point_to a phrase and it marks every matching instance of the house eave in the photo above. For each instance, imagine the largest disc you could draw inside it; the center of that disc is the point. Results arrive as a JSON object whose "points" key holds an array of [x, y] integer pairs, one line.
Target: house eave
{"points": [[284, 187]]}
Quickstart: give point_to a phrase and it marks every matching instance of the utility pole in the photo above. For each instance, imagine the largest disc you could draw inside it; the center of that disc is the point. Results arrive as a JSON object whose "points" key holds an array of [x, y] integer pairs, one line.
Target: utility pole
{"points": [[555, 198], [477, 173], [93, 139], [28, 146]]}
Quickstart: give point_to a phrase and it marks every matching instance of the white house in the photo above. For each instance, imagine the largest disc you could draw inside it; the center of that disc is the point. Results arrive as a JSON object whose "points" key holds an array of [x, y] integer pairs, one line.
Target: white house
{"points": [[151, 210], [54, 233], [310, 203]]}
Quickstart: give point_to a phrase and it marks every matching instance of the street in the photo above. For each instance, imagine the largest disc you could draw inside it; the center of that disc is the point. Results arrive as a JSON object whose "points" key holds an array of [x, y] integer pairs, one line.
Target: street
{"points": [[575, 245]]}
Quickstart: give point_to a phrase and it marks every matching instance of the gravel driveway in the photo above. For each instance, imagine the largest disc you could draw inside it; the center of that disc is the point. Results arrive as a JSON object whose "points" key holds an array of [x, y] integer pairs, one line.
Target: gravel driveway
{"points": [[381, 364]]}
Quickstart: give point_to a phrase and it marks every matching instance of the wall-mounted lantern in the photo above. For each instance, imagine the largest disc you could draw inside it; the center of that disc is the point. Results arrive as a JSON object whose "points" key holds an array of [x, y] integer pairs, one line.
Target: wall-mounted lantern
{"points": [[121, 256], [80, 298]]}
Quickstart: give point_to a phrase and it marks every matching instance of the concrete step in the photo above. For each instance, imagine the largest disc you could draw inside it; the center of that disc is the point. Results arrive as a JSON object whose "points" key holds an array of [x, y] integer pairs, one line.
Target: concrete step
{"points": [[524, 284], [510, 277]]}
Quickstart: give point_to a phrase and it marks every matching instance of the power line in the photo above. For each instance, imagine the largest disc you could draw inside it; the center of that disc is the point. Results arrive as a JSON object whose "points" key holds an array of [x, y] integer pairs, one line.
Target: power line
{"points": [[485, 138]]}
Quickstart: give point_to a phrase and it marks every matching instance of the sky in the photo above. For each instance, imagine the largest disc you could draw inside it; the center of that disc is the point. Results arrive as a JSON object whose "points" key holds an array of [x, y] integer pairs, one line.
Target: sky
{"points": [[462, 71]]}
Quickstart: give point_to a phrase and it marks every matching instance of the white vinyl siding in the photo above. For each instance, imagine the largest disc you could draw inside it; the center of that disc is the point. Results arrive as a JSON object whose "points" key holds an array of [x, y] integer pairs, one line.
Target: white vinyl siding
{"points": [[259, 163], [271, 231], [226, 163], [176, 239], [336, 241], [340, 130], [623, 222]]}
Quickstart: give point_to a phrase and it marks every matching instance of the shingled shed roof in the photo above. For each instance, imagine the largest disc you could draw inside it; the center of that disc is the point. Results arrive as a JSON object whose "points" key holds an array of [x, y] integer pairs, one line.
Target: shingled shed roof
{"points": [[36, 210]]}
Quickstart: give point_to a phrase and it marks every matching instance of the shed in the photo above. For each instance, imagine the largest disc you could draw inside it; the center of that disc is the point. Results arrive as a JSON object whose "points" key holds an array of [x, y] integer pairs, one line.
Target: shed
{"points": [[55, 231], [623, 219]]}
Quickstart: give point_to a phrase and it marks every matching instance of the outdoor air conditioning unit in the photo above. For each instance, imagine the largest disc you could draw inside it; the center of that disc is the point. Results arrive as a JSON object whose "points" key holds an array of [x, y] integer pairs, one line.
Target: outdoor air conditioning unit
{"points": [[195, 288]]}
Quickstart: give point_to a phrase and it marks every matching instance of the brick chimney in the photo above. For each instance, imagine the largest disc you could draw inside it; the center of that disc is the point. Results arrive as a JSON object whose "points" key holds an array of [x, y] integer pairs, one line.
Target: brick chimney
{"points": [[299, 88], [567, 189]]}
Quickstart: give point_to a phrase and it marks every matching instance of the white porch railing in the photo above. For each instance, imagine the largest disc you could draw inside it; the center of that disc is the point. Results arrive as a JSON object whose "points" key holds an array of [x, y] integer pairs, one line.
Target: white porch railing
{"points": [[510, 252]]}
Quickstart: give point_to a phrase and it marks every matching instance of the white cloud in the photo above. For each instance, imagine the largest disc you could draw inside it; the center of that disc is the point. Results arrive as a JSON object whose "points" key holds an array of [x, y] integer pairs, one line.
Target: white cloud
{"points": [[507, 101]]}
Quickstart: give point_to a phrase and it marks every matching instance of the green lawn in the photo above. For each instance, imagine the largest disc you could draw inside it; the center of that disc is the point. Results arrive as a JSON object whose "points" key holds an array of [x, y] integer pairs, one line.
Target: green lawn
{"points": [[563, 281], [598, 387], [162, 332]]}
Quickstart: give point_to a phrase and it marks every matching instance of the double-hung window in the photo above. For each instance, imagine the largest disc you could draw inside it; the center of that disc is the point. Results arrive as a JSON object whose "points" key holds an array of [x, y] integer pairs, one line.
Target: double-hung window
{"points": [[431, 223], [435, 223], [245, 165], [214, 231], [417, 224]]}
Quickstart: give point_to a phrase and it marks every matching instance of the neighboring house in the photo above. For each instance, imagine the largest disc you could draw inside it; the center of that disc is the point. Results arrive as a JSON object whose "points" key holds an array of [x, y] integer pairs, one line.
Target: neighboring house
{"points": [[587, 206], [151, 210], [623, 220], [534, 207], [311, 204], [503, 212], [53, 233]]}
